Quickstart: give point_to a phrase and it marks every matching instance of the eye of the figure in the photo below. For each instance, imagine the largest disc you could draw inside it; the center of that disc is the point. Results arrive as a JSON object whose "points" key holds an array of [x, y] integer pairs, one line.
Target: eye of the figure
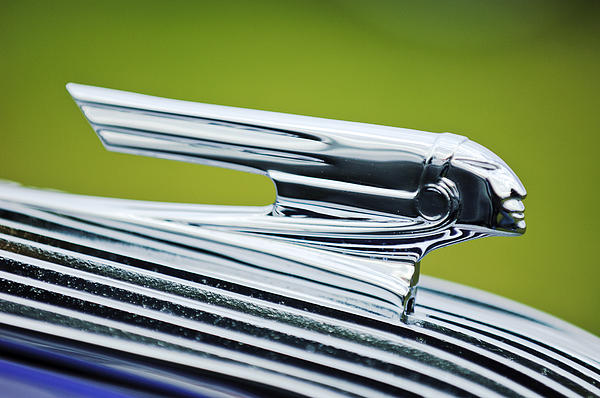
{"points": [[479, 164]]}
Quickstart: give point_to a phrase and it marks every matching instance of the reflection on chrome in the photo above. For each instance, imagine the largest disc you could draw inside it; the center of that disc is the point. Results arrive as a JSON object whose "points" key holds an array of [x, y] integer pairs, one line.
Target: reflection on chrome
{"points": [[357, 205]]}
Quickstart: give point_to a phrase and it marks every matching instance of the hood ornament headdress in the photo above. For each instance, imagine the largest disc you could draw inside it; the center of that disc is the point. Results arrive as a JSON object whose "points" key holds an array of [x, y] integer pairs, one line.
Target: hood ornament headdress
{"points": [[358, 205]]}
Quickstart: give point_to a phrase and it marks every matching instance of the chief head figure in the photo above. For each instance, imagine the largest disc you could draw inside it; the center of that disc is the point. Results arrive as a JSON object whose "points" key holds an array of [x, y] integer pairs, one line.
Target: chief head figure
{"points": [[491, 193]]}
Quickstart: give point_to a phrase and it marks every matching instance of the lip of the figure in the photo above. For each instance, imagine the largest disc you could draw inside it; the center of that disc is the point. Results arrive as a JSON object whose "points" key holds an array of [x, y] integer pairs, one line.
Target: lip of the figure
{"points": [[511, 217]]}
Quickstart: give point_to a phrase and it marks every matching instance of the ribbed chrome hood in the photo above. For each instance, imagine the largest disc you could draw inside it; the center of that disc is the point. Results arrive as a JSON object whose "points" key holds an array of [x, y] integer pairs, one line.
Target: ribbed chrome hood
{"points": [[180, 306]]}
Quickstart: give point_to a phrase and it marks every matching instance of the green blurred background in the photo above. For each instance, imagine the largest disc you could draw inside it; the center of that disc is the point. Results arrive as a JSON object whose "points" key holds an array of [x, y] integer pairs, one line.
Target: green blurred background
{"points": [[518, 77]]}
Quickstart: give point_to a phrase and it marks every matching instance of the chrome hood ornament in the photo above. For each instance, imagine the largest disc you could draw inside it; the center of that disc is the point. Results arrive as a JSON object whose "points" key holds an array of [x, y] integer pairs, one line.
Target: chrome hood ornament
{"points": [[373, 195], [360, 203]]}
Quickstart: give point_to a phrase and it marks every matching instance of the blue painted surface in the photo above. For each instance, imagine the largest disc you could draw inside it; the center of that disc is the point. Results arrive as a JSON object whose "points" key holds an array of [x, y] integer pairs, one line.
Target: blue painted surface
{"points": [[45, 370], [24, 381]]}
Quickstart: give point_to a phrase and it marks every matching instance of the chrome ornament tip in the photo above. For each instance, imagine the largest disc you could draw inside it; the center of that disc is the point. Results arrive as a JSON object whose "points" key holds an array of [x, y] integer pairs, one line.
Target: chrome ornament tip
{"points": [[492, 194]]}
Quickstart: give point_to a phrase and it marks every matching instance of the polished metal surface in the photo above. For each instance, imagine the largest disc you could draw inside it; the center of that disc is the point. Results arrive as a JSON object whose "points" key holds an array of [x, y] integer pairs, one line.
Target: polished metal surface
{"points": [[358, 201], [312, 296], [142, 299]]}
